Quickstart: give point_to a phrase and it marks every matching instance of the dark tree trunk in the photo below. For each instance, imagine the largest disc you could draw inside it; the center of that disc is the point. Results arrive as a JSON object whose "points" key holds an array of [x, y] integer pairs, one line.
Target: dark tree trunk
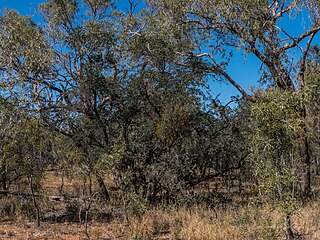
{"points": [[103, 188], [289, 232], [35, 203], [4, 179], [62, 183]]}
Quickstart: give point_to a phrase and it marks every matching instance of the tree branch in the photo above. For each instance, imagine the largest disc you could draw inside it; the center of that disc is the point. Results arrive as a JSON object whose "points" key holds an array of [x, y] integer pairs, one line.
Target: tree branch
{"points": [[298, 40], [303, 60], [217, 174], [221, 71]]}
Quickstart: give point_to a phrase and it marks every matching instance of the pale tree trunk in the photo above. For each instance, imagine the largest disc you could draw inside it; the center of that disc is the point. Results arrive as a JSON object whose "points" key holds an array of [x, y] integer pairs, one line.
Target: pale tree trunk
{"points": [[305, 169], [305, 166]]}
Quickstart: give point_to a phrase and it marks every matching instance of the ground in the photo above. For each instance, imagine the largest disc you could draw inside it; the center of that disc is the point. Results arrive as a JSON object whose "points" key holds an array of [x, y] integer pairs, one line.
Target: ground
{"points": [[198, 222]]}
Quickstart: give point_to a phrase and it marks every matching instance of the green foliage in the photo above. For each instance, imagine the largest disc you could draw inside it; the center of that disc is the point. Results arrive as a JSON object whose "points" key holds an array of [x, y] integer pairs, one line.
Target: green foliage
{"points": [[276, 125], [23, 45], [116, 99], [312, 99], [25, 148], [276, 118]]}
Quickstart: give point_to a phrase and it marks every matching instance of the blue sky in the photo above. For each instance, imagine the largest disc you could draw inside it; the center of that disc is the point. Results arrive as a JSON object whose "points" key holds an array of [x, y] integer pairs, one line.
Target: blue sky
{"points": [[245, 70]]}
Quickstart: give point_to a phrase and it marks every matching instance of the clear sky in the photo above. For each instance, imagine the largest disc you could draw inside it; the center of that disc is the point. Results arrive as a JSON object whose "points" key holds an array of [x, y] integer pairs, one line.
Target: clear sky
{"points": [[243, 69]]}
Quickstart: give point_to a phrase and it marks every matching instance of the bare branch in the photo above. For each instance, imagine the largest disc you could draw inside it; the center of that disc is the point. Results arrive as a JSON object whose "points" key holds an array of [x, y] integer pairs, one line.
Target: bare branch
{"points": [[221, 71], [284, 10], [303, 60], [298, 40]]}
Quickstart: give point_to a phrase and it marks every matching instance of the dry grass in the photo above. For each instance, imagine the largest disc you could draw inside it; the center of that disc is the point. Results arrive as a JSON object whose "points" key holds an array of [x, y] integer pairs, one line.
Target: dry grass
{"points": [[203, 224], [307, 221], [197, 223], [206, 224]]}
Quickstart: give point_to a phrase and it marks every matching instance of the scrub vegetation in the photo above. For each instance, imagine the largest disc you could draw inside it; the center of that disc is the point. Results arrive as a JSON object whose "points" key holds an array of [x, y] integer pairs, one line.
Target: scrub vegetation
{"points": [[109, 129]]}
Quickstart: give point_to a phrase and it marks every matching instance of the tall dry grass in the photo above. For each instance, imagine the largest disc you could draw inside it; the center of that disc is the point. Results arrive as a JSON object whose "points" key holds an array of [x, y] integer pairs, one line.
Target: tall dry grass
{"points": [[195, 223], [200, 223]]}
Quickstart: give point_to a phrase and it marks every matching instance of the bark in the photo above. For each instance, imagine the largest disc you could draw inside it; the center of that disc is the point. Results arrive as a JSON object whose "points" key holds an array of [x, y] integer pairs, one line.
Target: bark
{"points": [[4, 178], [103, 188], [289, 232], [35, 203], [305, 168], [4, 182], [62, 183]]}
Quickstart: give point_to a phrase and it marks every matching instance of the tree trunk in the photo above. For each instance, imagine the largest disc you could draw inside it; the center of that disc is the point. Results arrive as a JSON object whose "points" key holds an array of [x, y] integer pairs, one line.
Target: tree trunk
{"points": [[4, 180], [103, 188], [35, 203], [305, 159], [289, 232], [305, 168], [62, 184]]}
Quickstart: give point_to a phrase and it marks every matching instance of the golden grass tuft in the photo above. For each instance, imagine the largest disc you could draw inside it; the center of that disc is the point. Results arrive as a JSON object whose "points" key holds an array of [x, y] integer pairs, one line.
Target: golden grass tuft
{"points": [[206, 224], [199, 224], [307, 221]]}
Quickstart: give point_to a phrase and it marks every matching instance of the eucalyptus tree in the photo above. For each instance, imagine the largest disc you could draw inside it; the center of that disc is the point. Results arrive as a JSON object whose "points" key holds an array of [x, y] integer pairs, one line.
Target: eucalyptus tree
{"points": [[256, 27], [106, 80], [311, 94], [65, 72], [162, 98], [25, 153]]}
